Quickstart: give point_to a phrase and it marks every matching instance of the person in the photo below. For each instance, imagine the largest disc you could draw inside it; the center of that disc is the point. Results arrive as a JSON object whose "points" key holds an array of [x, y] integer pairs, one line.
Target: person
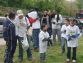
{"points": [[46, 19], [43, 39], [72, 33], [21, 25], [63, 34], [34, 21], [10, 37], [56, 25]]}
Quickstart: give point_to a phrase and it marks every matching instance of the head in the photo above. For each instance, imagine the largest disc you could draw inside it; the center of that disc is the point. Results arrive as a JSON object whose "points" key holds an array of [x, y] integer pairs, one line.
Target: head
{"points": [[49, 12], [44, 27], [45, 12], [67, 21], [20, 14], [11, 15], [72, 22]]}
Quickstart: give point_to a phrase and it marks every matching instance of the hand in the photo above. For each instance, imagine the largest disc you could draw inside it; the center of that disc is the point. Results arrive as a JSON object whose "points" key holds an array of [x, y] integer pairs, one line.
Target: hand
{"points": [[75, 36], [64, 31], [45, 39]]}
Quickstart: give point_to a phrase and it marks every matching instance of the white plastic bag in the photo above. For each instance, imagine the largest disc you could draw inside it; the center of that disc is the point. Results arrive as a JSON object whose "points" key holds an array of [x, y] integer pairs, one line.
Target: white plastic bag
{"points": [[25, 43]]}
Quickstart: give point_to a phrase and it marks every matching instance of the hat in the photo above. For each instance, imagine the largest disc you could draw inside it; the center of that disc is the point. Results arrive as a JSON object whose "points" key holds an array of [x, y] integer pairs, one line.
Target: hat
{"points": [[19, 12]]}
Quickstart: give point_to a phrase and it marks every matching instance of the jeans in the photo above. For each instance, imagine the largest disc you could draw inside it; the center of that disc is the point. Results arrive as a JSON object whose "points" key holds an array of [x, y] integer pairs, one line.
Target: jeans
{"points": [[58, 33], [30, 41], [10, 50], [63, 42], [69, 53], [35, 37], [29, 54]]}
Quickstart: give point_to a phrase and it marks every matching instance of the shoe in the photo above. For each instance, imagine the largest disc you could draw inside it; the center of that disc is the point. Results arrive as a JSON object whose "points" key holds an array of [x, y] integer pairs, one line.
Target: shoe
{"points": [[74, 61], [68, 61], [20, 60], [30, 59]]}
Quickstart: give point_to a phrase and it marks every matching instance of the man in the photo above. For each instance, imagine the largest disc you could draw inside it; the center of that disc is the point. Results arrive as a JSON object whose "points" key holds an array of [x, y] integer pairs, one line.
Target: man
{"points": [[10, 37], [56, 27], [21, 29], [33, 18]]}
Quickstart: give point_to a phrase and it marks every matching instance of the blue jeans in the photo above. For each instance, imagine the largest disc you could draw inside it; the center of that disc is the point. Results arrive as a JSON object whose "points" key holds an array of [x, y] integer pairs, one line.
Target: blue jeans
{"points": [[35, 37], [63, 42], [58, 33]]}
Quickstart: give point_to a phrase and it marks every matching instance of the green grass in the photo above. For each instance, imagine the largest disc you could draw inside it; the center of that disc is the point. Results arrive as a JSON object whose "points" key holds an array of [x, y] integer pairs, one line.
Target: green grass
{"points": [[53, 54]]}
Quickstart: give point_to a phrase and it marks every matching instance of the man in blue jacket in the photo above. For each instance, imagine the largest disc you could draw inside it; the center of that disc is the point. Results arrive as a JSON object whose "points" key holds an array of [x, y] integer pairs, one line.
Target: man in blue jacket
{"points": [[10, 38]]}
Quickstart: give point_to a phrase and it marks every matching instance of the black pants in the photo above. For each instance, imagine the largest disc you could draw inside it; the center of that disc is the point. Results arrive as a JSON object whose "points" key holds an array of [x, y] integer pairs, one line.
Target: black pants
{"points": [[50, 33], [73, 53], [29, 53], [10, 50]]}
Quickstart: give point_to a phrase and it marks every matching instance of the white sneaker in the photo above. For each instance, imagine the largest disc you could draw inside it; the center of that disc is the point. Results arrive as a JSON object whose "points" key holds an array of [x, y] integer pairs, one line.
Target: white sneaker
{"points": [[68, 61], [74, 61]]}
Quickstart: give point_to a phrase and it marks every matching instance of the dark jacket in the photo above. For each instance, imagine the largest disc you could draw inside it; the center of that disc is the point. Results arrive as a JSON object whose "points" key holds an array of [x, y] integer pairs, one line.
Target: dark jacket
{"points": [[9, 30]]}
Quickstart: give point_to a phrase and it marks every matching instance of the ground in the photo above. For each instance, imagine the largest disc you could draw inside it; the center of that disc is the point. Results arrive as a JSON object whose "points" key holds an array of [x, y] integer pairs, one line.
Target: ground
{"points": [[53, 54]]}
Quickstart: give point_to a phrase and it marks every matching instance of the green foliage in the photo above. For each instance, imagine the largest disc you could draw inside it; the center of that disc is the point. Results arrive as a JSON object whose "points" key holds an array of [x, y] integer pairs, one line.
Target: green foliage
{"points": [[80, 4], [57, 5], [41, 4]]}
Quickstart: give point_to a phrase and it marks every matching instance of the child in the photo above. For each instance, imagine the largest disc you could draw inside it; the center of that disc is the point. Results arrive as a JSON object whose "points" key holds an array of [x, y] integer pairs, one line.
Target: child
{"points": [[43, 39], [63, 35], [72, 33], [10, 37]]}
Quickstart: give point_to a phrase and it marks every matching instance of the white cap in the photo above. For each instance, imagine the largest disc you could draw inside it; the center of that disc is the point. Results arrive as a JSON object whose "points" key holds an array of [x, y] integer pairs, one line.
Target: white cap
{"points": [[19, 12]]}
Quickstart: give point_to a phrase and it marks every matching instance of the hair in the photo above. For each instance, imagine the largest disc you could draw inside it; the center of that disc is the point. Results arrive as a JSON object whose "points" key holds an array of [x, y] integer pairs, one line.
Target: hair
{"points": [[11, 15], [67, 19], [42, 26], [74, 20]]}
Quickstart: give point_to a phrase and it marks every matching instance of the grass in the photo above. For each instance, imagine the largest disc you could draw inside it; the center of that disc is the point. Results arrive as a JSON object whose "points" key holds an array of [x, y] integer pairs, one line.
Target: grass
{"points": [[53, 54]]}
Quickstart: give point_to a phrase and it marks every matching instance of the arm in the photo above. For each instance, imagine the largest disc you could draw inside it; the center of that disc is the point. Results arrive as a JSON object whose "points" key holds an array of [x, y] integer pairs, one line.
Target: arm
{"points": [[47, 38], [63, 30], [68, 37], [77, 33], [5, 31]]}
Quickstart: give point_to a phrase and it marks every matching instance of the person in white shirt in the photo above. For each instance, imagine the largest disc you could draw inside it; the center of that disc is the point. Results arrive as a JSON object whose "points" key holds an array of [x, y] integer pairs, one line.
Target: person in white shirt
{"points": [[21, 32], [63, 34], [56, 27], [35, 28], [43, 39], [72, 33]]}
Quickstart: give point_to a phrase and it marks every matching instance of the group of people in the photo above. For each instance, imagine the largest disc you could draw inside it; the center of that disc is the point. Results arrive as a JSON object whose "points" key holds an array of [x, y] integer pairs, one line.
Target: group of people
{"points": [[44, 31]]}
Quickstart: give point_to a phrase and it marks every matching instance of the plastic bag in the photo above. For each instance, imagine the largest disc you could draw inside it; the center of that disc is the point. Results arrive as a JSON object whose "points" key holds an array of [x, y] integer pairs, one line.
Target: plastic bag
{"points": [[25, 43]]}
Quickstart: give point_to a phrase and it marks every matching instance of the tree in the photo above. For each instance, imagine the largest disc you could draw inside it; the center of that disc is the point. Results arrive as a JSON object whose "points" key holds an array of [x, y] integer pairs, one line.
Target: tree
{"points": [[80, 4]]}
